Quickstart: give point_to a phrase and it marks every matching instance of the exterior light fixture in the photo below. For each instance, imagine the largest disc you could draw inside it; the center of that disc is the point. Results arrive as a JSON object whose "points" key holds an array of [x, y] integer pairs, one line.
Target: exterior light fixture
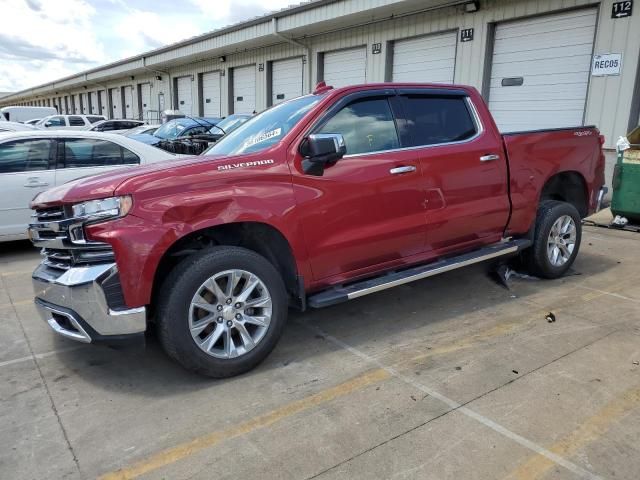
{"points": [[223, 59], [471, 7]]}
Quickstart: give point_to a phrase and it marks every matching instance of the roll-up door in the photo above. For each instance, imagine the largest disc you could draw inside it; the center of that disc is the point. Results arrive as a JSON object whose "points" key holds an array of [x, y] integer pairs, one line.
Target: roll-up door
{"points": [[94, 103], [345, 67], [104, 108], [145, 100], [286, 80], [128, 101], [185, 100], [211, 94], [540, 70], [116, 103], [244, 89], [429, 59]]}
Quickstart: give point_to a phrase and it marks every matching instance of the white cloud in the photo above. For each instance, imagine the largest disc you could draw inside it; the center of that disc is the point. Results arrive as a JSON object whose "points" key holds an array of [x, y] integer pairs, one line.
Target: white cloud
{"points": [[226, 12]]}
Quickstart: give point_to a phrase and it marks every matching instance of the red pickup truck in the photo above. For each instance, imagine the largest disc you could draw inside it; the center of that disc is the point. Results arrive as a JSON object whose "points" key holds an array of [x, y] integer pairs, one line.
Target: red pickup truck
{"points": [[318, 200]]}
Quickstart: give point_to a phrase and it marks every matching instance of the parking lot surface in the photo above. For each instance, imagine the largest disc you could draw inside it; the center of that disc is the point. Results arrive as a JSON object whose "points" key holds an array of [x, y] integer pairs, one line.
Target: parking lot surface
{"points": [[450, 377]]}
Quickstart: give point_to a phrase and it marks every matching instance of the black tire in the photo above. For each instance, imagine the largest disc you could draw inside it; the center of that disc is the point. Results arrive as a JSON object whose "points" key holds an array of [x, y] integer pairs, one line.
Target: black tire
{"points": [[536, 257], [175, 299]]}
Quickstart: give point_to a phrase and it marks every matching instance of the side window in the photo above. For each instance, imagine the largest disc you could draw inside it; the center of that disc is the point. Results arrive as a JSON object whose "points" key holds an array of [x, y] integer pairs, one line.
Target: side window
{"points": [[129, 157], [88, 152], [24, 155], [56, 121], [434, 120], [367, 126], [75, 121], [106, 127], [94, 119]]}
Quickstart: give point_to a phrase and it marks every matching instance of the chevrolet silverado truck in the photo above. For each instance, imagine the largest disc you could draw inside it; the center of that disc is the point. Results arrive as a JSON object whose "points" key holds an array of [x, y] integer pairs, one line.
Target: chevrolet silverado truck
{"points": [[321, 199]]}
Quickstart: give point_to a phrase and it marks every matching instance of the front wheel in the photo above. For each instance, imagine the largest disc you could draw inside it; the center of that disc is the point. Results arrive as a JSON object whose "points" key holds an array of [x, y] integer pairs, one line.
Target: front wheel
{"points": [[556, 240], [222, 311]]}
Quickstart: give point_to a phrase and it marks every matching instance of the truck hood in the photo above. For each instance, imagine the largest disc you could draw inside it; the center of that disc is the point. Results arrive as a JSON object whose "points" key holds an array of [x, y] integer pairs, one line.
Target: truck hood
{"points": [[105, 184]]}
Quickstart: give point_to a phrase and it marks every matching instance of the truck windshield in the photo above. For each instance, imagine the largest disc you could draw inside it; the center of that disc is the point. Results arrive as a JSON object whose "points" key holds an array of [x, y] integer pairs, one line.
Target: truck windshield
{"points": [[265, 129]]}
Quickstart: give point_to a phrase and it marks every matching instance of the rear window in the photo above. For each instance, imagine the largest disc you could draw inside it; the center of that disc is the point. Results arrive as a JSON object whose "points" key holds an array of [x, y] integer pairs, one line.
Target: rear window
{"points": [[94, 119], [76, 121], [433, 120], [88, 152]]}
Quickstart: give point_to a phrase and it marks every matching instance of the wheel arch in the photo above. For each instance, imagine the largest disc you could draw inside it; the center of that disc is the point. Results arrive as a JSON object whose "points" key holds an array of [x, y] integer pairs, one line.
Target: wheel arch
{"points": [[260, 237], [568, 186]]}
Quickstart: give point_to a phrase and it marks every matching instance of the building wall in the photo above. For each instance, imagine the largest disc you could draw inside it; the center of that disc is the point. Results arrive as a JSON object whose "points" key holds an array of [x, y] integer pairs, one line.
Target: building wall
{"points": [[609, 100]]}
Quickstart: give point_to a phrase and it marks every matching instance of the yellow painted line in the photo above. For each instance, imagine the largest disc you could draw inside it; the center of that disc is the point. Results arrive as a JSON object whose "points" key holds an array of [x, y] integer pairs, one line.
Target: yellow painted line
{"points": [[589, 431], [179, 452], [27, 301]]}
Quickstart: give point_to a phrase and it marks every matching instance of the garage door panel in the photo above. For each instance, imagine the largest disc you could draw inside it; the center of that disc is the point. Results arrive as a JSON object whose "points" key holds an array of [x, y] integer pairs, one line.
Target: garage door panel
{"points": [[286, 79], [553, 56], [546, 67], [211, 94], [543, 54], [425, 59], [244, 89], [345, 67], [185, 97]]}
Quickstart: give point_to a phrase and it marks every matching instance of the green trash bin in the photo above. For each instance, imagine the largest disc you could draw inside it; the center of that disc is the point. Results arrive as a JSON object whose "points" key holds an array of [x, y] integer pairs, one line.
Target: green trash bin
{"points": [[626, 181]]}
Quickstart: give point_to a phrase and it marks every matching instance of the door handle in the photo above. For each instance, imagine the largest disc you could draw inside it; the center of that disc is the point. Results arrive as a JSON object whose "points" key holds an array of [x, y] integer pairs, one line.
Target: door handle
{"points": [[34, 183], [400, 170], [489, 158]]}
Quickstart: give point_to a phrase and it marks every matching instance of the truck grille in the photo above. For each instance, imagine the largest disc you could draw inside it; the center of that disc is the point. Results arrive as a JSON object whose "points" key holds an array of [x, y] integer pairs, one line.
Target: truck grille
{"points": [[63, 243]]}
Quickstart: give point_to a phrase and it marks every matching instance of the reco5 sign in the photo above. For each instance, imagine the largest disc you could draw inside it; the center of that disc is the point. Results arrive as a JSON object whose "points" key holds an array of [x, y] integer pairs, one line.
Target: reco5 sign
{"points": [[606, 64]]}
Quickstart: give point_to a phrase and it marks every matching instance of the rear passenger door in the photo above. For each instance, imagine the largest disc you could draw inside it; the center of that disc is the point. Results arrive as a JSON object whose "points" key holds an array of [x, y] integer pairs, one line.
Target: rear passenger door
{"points": [[79, 157], [26, 169], [463, 168]]}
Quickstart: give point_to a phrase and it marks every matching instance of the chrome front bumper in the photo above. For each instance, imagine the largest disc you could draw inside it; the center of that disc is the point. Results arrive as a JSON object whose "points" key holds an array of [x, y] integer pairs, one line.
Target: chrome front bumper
{"points": [[76, 303]]}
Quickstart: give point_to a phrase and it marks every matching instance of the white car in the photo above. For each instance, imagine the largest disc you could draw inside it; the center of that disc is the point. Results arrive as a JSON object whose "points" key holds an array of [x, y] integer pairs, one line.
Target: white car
{"points": [[69, 122], [141, 130], [118, 125], [16, 127], [32, 161]]}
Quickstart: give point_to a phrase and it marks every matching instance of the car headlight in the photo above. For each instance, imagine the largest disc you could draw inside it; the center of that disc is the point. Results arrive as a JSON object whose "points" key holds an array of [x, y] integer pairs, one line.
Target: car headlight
{"points": [[104, 208]]}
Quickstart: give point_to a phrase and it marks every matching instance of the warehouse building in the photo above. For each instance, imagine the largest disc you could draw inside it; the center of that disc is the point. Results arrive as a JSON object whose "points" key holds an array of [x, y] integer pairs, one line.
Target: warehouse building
{"points": [[538, 63]]}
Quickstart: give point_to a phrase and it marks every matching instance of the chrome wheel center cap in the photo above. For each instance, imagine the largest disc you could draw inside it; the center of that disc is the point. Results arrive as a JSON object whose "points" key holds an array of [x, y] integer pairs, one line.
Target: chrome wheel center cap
{"points": [[228, 312]]}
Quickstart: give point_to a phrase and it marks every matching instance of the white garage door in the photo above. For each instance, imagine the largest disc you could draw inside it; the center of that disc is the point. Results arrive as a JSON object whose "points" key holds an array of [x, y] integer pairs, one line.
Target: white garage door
{"points": [[540, 71], [94, 103], [211, 94], [102, 94], [76, 103], [128, 101], [345, 67], [286, 80], [145, 100], [425, 59], [185, 100], [244, 89], [116, 103]]}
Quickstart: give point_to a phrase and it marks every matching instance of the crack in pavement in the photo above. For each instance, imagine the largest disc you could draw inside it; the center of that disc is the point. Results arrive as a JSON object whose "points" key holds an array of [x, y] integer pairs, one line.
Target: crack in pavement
{"points": [[44, 382]]}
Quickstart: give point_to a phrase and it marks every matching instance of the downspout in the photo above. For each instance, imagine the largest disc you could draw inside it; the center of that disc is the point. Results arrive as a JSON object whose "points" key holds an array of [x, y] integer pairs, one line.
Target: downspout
{"points": [[276, 33]]}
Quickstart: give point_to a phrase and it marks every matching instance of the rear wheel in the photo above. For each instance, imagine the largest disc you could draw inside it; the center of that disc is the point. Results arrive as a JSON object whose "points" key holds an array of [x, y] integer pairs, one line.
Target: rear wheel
{"points": [[556, 241], [222, 311]]}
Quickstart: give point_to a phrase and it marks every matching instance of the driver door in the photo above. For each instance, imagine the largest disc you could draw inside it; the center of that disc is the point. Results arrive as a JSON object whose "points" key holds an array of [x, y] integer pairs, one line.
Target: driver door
{"points": [[369, 207]]}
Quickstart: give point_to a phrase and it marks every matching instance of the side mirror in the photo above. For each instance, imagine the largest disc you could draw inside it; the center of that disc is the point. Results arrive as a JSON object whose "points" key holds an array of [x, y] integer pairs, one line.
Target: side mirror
{"points": [[320, 150], [47, 124]]}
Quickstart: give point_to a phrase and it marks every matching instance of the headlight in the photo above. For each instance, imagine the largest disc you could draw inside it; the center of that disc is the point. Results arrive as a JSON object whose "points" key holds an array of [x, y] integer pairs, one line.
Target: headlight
{"points": [[104, 208]]}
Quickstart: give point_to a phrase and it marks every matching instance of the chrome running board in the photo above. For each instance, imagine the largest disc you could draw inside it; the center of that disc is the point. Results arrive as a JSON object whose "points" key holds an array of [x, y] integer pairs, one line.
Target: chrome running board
{"points": [[391, 279]]}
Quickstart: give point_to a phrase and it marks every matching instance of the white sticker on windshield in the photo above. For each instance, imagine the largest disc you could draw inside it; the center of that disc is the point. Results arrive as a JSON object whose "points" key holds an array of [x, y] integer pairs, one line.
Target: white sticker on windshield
{"points": [[261, 138]]}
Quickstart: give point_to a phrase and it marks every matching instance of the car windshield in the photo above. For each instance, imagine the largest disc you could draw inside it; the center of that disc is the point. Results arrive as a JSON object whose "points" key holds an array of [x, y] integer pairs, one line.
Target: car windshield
{"points": [[228, 124], [265, 129], [170, 130]]}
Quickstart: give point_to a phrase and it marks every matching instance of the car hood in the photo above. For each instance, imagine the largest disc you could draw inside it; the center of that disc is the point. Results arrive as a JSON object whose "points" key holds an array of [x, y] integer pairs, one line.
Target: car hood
{"points": [[146, 138], [105, 184]]}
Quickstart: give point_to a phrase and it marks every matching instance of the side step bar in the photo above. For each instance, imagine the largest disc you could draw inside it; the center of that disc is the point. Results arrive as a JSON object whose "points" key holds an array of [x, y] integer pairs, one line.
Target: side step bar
{"points": [[341, 294]]}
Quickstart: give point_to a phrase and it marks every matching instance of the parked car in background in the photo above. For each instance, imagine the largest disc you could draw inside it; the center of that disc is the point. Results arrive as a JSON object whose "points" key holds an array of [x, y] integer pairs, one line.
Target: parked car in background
{"points": [[16, 127], [197, 143], [22, 114], [114, 125], [32, 161], [318, 200], [141, 130], [69, 122], [33, 121], [179, 127]]}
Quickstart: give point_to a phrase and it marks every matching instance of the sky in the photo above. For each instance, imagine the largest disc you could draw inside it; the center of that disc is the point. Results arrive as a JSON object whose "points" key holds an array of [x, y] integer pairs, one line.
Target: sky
{"points": [[44, 40]]}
